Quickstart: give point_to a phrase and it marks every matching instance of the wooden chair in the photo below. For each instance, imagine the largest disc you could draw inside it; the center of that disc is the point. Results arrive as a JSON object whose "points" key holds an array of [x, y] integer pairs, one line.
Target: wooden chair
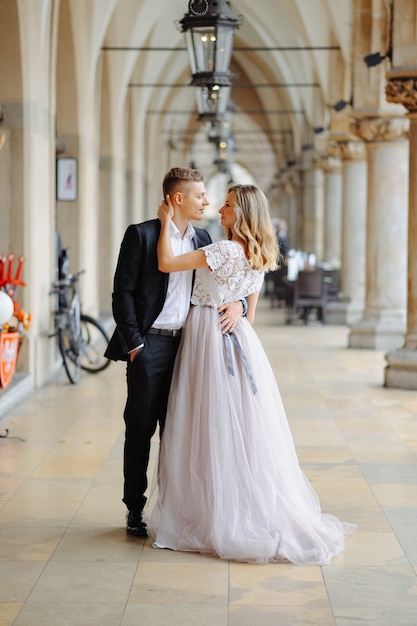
{"points": [[310, 293], [332, 278]]}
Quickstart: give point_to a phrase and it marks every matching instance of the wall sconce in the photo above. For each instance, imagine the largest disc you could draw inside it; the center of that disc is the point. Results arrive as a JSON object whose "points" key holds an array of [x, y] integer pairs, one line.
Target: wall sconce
{"points": [[374, 59], [341, 104]]}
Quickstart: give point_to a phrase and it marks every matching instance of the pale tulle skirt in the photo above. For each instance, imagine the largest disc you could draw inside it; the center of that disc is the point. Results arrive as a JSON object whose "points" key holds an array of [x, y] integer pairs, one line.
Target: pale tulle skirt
{"points": [[229, 480]]}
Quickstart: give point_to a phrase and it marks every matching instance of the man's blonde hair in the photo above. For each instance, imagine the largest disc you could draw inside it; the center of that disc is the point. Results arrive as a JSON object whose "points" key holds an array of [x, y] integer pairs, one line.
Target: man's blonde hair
{"points": [[177, 179]]}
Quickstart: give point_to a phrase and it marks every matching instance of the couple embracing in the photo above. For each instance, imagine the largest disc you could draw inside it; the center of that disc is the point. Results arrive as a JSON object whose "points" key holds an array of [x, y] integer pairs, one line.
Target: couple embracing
{"points": [[229, 480]]}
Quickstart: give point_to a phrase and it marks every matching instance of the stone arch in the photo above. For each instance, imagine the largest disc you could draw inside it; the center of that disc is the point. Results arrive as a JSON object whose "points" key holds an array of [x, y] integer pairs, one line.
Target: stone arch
{"points": [[67, 133], [11, 172]]}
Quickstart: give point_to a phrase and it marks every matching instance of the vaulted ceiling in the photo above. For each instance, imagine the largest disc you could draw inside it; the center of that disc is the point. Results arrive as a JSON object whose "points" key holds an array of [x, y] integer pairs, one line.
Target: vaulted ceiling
{"points": [[292, 59]]}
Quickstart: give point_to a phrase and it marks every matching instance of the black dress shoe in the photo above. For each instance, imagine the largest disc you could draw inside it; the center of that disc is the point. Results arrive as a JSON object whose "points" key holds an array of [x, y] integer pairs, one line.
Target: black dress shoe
{"points": [[135, 525]]}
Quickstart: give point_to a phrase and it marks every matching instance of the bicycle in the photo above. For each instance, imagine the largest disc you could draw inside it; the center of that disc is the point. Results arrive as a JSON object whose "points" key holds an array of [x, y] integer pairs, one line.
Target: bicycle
{"points": [[81, 338]]}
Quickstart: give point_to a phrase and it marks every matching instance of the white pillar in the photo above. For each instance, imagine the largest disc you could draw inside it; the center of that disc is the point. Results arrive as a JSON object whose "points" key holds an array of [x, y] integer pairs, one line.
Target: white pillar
{"points": [[289, 196], [332, 211], [401, 369], [352, 278], [349, 306], [384, 321], [312, 207]]}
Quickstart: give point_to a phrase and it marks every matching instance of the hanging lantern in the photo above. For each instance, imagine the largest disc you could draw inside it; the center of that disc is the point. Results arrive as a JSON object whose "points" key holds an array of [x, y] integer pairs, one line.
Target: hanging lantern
{"points": [[212, 101], [209, 29], [222, 128]]}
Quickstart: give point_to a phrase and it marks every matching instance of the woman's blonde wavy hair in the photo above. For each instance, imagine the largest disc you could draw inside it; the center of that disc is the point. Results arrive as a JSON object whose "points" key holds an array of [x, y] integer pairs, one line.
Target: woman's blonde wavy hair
{"points": [[254, 226]]}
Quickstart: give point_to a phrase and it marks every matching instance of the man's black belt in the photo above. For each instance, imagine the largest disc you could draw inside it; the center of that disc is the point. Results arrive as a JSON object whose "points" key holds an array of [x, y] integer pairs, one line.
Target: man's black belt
{"points": [[161, 332]]}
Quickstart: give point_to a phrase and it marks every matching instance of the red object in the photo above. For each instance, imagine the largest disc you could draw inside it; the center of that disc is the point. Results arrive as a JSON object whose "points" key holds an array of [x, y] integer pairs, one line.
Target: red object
{"points": [[17, 278], [9, 349], [10, 268], [8, 280], [2, 270]]}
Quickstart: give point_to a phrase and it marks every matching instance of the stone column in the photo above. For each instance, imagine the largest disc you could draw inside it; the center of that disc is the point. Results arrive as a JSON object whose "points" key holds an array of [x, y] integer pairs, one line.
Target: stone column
{"points": [[2, 136], [383, 324], [401, 369], [352, 277], [287, 207], [332, 167], [311, 225]]}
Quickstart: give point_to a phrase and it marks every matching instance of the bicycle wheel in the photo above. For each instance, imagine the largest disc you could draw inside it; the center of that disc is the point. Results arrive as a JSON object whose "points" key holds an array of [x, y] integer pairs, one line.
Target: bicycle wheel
{"points": [[69, 351], [93, 344]]}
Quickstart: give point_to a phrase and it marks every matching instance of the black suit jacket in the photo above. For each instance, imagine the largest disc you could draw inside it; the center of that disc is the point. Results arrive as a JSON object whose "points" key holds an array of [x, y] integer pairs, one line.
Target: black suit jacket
{"points": [[139, 288]]}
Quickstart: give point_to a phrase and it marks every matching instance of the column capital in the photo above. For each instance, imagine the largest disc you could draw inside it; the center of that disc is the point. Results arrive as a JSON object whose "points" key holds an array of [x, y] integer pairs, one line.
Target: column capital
{"points": [[380, 128], [348, 149], [287, 182], [330, 162], [403, 90]]}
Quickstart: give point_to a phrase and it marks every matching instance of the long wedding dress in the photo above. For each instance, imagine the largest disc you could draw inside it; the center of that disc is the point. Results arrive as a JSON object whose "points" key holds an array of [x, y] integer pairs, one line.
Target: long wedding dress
{"points": [[229, 481]]}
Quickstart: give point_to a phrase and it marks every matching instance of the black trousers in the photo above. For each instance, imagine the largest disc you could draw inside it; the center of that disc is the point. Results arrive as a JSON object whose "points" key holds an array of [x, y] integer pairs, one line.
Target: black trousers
{"points": [[148, 382]]}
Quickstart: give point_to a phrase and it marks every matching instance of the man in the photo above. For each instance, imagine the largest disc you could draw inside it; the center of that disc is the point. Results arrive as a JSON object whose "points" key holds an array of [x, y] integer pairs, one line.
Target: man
{"points": [[283, 243], [150, 308]]}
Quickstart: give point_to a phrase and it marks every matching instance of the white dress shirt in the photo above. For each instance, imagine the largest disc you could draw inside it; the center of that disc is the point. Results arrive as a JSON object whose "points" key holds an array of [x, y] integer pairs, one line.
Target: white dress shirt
{"points": [[177, 301]]}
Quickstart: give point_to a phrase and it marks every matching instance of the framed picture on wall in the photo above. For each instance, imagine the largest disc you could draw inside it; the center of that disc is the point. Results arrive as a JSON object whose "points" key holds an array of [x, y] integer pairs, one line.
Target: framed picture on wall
{"points": [[66, 179]]}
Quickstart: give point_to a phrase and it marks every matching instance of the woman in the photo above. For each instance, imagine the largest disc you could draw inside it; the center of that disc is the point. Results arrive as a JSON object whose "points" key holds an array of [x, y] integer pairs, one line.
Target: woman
{"points": [[229, 478]]}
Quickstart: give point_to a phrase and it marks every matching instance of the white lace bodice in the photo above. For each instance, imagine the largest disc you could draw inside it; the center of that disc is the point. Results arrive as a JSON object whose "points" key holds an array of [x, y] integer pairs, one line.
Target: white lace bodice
{"points": [[228, 278]]}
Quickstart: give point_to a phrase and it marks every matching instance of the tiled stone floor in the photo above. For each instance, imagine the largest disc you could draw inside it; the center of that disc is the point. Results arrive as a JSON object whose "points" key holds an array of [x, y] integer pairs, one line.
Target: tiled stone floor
{"points": [[65, 558]]}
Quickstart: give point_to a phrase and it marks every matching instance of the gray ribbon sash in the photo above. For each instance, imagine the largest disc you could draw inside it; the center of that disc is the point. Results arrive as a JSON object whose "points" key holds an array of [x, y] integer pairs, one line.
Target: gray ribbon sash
{"points": [[230, 339]]}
